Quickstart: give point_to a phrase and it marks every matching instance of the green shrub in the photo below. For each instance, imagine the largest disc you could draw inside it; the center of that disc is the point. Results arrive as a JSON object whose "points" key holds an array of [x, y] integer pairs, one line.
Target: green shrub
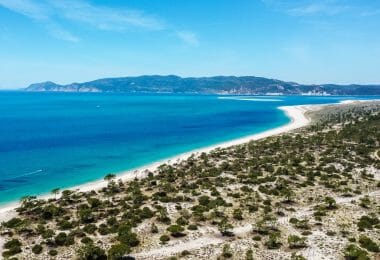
{"points": [[176, 231], [118, 251], [12, 251], [53, 252], [274, 241], [65, 225], [227, 253], [129, 239], [37, 249], [12, 243], [352, 239], [368, 244], [103, 229], [295, 256], [87, 240], [153, 228], [296, 242], [50, 211], [367, 222], [48, 233], [85, 215], [257, 238], [249, 254], [126, 236], [90, 228], [164, 238], [353, 252], [91, 251], [192, 227], [13, 223], [237, 214], [182, 221], [60, 239]]}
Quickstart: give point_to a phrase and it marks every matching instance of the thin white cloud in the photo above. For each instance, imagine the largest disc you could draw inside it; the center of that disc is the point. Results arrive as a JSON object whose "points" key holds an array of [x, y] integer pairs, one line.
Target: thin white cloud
{"points": [[49, 12], [321, 7], [189, 38], [105, 18], [29, 8]]}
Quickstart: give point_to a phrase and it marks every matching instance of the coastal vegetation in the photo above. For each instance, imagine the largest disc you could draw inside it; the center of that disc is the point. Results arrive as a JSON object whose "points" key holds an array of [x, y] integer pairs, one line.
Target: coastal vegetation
{"points": [[305, 194], [205, 85]]}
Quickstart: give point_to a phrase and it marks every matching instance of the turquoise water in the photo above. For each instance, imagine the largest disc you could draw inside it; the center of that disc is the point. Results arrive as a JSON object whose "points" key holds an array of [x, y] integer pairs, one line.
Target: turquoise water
{"points": [[50, 140]]}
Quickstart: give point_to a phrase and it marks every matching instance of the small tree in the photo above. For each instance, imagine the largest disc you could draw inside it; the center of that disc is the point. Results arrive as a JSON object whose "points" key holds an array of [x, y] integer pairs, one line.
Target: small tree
{"points": [[109, 177], [296, 242], [274, 241], [118, 251], [227, 253], [331, 203], [91, 251], [176, 231], [249, 254], [225, 227], [238, 214], [354, 252], [164, 238], [55, 191]]}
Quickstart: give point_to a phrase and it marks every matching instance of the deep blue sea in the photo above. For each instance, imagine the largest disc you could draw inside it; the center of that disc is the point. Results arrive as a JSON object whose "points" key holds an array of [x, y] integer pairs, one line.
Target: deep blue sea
{"points": [[50, 140]]}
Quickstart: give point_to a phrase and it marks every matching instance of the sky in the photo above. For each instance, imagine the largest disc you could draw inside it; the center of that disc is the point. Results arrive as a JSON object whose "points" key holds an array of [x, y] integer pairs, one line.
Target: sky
{"points": [[65, 41]]}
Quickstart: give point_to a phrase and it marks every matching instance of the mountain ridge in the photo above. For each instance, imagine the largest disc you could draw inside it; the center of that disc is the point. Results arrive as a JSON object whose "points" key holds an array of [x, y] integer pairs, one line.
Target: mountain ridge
{"points": [[221, 85]]}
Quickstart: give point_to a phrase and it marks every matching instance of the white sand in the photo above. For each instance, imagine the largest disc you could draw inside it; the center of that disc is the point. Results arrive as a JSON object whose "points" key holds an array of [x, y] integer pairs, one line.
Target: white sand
{"points": [[295, 113]]}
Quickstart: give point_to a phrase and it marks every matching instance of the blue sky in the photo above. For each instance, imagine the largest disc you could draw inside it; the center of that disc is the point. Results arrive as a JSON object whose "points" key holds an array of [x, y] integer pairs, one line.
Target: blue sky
{"points": [[326, 41]]}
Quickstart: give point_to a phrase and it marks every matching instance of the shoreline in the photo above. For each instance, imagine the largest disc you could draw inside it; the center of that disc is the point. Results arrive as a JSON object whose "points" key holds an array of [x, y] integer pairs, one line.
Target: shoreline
{"points": [[298, 118], [297, 114]]}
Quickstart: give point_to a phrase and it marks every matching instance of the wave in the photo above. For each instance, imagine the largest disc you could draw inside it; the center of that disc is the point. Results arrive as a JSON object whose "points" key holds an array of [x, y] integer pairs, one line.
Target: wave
{"points": [[253, 99], [31, 173]]}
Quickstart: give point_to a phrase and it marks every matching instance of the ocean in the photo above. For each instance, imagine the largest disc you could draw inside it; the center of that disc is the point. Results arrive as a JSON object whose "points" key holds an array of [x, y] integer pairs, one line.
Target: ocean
{"points": [[60, 140]]}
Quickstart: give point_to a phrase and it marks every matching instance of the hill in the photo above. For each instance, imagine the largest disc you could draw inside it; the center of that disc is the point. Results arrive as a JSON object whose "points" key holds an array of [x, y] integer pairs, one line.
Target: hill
{"points": [[247, 85]]}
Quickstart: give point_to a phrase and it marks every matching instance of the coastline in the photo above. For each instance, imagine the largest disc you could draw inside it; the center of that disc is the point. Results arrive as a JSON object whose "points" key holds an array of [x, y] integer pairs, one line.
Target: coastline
{"points": [[297, 114], [298, 119]]}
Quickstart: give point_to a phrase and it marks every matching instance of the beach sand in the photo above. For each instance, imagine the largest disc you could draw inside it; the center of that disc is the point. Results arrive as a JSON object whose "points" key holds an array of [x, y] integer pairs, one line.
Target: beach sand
{"points": [[297, 115]]}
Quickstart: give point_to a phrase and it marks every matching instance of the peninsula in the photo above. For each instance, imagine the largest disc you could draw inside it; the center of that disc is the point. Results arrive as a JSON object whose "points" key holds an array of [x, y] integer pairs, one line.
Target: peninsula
{"points": [[220, 85]]}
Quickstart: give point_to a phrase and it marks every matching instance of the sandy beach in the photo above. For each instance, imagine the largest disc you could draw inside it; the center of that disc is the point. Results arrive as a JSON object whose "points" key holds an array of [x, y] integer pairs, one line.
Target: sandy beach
{"points": [[295, 113], [298, 119]]}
